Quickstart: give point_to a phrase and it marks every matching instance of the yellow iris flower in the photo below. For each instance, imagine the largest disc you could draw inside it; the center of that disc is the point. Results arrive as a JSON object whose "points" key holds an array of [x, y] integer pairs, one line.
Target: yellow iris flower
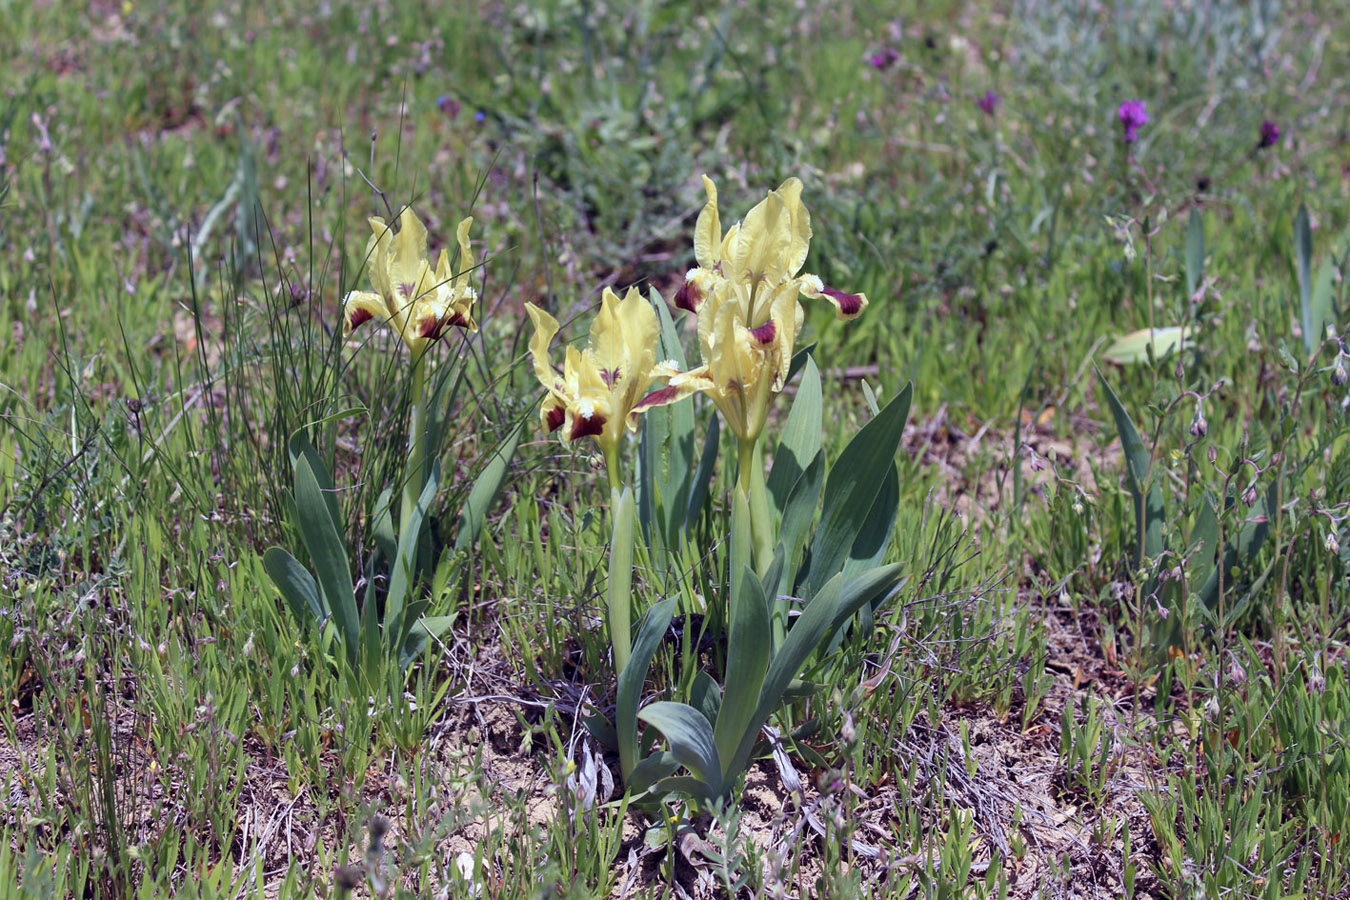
{"points": [[746, 291], [418, 302], [600, 386]]}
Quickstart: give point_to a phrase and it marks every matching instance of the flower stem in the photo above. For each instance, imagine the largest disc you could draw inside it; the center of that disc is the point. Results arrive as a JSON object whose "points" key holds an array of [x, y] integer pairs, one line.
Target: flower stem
{"points": [[750, 482], [612, 468], [415, 477], [619, 588]]}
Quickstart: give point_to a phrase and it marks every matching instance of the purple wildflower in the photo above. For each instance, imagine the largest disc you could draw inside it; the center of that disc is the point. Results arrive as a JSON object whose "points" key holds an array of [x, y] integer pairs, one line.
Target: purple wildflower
{"points": [[448, 105], [1133, 115], [989, 103], [884, 59], [1270, 135], [480, 117]]}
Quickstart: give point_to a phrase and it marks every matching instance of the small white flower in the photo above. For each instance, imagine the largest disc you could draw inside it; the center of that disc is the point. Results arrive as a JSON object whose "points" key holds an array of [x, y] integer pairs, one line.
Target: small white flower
{"points": [[464, 863]]}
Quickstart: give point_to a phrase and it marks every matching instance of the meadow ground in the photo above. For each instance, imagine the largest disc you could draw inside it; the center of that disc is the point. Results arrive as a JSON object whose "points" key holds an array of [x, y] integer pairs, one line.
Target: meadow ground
{"points": [[1098, 547]]}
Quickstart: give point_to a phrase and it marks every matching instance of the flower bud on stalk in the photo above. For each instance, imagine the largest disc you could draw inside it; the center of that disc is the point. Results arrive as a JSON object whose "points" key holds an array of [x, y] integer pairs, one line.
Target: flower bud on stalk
{"points": [[1199, 427]]}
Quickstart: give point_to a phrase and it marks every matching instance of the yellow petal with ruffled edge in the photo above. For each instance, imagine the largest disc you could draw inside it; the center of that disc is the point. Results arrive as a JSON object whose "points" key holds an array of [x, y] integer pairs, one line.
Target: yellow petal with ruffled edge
{"points": [[799, 226], [641, 333], [729, 243], [623, 338], [409, 273], [762, 246], [466, 262], [553, 412], [377, 252], [465, 295], [606, 346], [545, 328]]}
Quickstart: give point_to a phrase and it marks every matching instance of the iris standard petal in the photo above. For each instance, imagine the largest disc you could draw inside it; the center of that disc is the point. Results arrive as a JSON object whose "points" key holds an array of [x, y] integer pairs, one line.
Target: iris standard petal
{"points": [[377, 254], [409, 273], [466, 261], [708, 229], [799, 226], [762, 247], [607, 339], [640, 331]]}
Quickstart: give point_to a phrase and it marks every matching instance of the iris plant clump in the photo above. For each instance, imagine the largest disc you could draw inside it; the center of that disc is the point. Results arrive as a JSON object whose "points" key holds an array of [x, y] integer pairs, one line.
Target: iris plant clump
{"points": [[422, 304], [747, 292]]}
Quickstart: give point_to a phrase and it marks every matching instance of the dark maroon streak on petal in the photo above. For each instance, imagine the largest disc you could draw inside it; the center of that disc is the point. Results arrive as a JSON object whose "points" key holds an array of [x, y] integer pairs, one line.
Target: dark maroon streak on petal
{"points": [[849, 304], [658, 397], [555, 417], [609, 376], [359, 316], [430, 328], [689, 297], [765, 333], [584, 427]]}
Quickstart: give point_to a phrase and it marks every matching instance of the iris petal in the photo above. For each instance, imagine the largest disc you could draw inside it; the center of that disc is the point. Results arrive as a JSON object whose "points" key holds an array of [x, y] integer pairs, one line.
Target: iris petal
{"points": [[360, 307]]}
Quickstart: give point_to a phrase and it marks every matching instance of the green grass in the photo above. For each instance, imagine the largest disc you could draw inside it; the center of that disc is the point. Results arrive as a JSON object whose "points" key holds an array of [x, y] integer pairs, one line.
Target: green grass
{"points": [[1053, 703]]}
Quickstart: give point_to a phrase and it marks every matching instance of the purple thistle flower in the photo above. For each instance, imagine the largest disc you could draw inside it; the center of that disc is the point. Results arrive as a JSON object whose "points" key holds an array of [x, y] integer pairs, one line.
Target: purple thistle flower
{"points": [[1270, 135], [884, 59], [1133, 115], [989, 103]]}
